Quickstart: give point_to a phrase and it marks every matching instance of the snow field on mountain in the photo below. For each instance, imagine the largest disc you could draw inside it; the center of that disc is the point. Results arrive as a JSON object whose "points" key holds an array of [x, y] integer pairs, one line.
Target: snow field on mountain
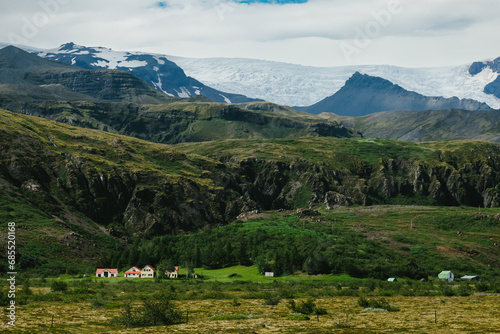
{"points": [[297, 85]]}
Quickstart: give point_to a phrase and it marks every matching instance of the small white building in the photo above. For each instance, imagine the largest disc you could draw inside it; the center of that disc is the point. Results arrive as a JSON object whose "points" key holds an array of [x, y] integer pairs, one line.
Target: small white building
{"points": [[108, 273], [172, 274], [148, 272], [447, 275], [269, 274], [133, 272]]}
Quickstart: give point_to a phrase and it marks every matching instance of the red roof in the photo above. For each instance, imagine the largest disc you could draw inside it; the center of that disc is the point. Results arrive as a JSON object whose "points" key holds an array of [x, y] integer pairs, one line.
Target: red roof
{"points": [[149, 267], [132, 272], [112, 271]]}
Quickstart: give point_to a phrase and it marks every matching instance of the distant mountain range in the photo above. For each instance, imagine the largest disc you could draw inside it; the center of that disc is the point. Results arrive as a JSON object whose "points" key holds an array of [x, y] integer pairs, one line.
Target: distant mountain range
{"points": [[156, 70], [25, 76], [364, 95], [297, 85], [118, 101], [229, 80]]}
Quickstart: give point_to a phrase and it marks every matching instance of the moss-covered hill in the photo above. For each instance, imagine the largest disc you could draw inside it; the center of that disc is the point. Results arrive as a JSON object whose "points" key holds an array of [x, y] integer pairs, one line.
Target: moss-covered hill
{"points": [[419, 126], [78, 191], [185, 121]]}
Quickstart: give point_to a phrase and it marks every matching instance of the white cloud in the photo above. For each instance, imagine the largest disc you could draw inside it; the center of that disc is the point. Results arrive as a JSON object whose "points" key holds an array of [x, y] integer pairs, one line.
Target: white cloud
{"points": [[425, 32]]}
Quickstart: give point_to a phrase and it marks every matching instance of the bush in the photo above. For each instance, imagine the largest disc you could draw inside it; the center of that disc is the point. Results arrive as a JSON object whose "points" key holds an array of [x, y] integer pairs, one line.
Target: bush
{"points": [[154, 312], [464, 291], [59, 286], [380, 303], [272, 299], [4, 297], [96, 303], [306, 307], [447, 291], [482, 287]]}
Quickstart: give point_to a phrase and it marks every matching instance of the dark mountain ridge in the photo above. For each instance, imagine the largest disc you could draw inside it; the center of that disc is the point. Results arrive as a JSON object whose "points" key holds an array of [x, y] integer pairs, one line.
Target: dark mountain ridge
{"points": [[363, 95], [23, 69]]}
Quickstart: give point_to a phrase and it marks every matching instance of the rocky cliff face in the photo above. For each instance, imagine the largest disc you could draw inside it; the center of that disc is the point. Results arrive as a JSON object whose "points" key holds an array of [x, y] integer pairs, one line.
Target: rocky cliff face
{"points": [[136, 188], [100, 84]]}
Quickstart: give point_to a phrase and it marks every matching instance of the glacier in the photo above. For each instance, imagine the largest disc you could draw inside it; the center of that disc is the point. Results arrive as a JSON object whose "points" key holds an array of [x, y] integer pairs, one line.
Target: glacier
{"points": [[297, 85]]}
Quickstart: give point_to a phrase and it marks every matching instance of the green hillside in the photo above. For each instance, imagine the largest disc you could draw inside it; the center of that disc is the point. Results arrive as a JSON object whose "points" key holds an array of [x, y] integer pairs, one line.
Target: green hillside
{"points": [[376, 242], [25, 77], [183, 121], [84, 197], [420, 126]]}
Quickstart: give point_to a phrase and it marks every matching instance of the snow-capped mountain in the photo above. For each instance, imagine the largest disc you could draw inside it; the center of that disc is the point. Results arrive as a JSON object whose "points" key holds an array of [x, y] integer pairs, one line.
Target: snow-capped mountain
{"points": [[297, 85], [155, 69], [281, 83], [477, 68]]}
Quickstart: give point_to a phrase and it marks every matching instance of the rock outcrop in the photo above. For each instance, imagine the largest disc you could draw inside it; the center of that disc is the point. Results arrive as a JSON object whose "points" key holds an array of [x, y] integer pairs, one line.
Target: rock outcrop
{"points": [[137, 188]]}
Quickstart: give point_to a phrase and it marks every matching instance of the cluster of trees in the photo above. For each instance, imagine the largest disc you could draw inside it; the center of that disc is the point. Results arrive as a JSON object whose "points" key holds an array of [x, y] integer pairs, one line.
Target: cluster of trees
{"points": [[280, 247]]}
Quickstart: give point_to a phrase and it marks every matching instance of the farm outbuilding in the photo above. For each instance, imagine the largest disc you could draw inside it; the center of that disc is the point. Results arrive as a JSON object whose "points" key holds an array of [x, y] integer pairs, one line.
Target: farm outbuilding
{"points": [[172, 274], [106, 273], [133, 272], [447, 275]]}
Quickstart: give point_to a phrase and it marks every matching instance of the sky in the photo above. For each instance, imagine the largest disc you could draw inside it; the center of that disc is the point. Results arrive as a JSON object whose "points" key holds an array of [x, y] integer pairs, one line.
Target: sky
{"points": [[410, 33]]}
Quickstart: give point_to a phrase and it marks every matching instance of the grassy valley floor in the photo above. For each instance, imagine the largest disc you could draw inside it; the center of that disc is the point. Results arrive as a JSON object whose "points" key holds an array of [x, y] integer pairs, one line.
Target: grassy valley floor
{"points": [[473, 314]]}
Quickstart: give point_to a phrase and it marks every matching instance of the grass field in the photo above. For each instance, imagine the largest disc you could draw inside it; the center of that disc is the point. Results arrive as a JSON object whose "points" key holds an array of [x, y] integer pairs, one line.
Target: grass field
{"points": [[242, 273], [474, 314]]}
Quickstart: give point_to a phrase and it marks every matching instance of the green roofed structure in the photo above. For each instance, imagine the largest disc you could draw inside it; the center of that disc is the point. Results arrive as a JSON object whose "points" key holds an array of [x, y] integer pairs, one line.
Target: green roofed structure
{"points": [[446, 275]]}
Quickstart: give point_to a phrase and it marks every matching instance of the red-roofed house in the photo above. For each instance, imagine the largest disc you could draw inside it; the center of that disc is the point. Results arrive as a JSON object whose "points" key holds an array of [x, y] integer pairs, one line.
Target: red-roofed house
{"points": [[173, 274], [133, 272], [148, 272], [106, 273]]}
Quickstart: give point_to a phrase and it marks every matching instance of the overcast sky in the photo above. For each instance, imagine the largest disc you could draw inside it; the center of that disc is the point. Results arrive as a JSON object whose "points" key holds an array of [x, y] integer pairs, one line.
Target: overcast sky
{"points": [[414, 33]]}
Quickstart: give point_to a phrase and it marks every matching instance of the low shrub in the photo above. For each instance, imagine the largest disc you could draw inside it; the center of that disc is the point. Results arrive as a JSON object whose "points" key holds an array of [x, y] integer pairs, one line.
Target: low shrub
{"points": [[272, 299], [59, 286], [380, 303], [153, 312], [306, 307]]}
